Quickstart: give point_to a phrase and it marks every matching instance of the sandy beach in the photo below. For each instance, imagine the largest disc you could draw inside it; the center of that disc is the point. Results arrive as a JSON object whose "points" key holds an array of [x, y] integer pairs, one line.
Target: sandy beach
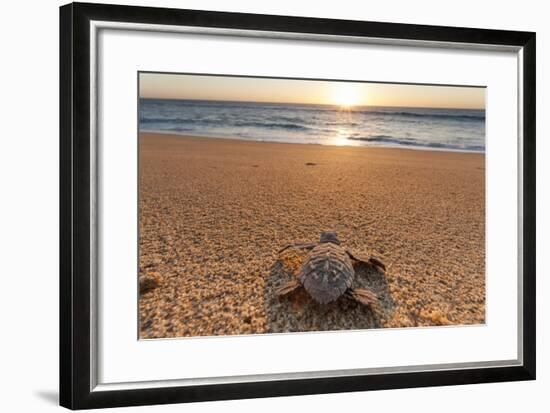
{"points": [[214, 212]]}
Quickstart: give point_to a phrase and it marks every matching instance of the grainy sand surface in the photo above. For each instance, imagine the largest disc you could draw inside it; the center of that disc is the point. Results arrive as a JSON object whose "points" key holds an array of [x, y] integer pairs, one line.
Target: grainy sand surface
{"points": [[214, 213]]}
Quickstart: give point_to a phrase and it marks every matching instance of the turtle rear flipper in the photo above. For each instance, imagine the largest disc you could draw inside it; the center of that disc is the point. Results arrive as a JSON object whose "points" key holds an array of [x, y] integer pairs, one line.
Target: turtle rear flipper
{"points": [[365, 297], [288, 287]]}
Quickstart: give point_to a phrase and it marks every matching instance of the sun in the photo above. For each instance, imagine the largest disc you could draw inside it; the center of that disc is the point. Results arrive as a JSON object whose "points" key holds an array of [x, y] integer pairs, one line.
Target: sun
{"points": [[345, 95]]}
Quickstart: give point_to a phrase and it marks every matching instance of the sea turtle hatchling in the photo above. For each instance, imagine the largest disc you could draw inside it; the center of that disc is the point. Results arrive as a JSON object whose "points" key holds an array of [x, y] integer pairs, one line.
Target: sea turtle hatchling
{"points": [[327, 272]]}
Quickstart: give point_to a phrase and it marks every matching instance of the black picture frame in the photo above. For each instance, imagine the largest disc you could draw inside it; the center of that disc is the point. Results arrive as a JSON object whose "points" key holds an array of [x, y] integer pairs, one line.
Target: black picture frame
{"points": [[75, 220]]}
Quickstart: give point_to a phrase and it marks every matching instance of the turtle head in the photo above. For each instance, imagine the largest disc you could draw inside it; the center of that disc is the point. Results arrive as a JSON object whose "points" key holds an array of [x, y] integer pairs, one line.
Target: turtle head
{"points": [[329, 236]]}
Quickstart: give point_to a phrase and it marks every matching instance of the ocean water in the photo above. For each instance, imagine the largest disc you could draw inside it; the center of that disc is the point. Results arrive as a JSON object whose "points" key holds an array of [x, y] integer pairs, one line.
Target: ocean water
{"points": [[418, 128]]}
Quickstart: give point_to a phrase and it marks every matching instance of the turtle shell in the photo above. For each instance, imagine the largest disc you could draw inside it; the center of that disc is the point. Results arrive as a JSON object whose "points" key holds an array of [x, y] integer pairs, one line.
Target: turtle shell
{"points": [[327, 272]]}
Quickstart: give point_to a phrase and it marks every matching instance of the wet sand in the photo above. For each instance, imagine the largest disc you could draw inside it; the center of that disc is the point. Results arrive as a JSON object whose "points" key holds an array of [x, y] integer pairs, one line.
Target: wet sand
{"points": [[214, 213]]}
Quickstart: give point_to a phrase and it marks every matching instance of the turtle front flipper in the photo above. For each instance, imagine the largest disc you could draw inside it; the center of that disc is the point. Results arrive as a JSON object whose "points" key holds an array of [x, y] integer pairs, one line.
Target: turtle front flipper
{"points": [[305, 246], [288, 287], [364, 296], [372, 262]]}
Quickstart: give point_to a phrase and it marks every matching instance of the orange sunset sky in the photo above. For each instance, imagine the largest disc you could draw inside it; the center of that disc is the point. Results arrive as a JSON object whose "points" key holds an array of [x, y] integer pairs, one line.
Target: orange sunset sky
{"points": [[344, 93]]}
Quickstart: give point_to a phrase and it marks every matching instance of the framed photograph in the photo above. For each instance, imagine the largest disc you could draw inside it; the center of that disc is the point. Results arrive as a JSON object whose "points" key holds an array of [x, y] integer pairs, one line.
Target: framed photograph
{"points": [[258, 205]]}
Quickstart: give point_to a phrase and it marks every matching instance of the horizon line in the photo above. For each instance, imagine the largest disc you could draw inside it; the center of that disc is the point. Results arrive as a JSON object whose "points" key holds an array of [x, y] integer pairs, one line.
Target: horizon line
{"points": [[313, 104]]}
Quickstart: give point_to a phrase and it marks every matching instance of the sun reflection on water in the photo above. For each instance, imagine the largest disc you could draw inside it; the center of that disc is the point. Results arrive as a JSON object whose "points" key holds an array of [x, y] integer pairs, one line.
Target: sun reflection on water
{"points": [[344, 129]]}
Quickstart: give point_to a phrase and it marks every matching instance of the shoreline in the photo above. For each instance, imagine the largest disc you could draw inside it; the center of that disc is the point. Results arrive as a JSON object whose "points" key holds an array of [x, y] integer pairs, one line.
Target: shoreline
{"points": [[382, 146]]}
